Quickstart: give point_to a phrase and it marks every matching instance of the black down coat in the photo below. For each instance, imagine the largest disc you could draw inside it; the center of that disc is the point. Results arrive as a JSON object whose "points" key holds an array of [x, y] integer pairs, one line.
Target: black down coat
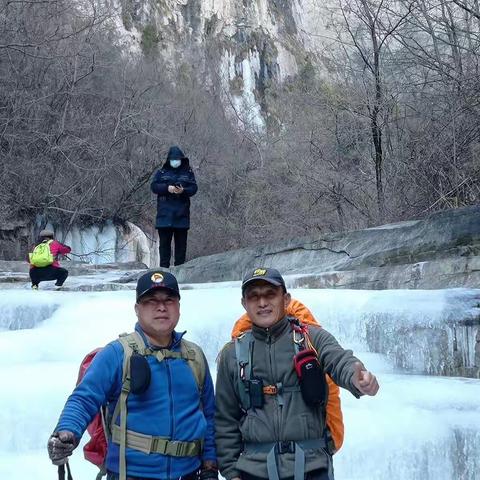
{"points": [[173, 210]]}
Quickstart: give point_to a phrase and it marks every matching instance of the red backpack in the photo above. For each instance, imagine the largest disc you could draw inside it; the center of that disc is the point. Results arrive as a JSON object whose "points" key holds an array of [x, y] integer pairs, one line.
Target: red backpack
{"points": [[95, 451]]}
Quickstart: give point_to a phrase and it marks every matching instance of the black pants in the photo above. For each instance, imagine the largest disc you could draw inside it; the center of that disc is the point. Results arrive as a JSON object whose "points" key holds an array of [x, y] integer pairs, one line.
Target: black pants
{"points": [[314, 475], [43, 274], [180, 240]]}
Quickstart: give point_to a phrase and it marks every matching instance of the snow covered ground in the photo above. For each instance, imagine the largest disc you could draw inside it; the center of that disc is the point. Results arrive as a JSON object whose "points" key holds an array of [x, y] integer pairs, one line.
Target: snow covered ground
{"points": [[417, 427]]}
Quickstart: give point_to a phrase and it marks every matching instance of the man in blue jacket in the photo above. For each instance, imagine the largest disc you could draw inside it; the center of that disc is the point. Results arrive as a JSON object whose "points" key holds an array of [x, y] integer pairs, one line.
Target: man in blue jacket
{"points": [[166, 419], [174, 184]]}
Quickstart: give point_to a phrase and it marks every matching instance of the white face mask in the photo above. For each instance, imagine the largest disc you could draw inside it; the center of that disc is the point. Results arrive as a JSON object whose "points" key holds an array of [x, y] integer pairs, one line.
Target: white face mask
{"points": [[175, 163]]}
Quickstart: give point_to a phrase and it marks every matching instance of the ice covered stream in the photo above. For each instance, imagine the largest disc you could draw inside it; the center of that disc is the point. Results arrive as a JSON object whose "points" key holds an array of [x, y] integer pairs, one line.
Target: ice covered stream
{"points": [[418, 427]]}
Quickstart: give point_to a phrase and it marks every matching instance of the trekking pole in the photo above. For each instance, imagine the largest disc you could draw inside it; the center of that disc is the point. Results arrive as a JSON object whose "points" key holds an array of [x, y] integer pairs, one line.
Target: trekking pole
{"points": [[61, 472]]}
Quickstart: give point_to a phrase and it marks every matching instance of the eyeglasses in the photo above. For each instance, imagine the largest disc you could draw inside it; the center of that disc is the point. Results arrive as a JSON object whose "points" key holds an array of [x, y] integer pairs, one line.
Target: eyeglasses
{"points": [[154, 302]]}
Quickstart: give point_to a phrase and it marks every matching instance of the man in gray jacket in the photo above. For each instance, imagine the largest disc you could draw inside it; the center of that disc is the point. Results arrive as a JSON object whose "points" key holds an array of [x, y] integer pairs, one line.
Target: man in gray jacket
{"points": [[271, 392]]}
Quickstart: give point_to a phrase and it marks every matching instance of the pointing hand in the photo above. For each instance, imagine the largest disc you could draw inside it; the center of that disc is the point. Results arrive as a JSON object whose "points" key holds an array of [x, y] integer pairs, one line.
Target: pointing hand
{"points": [[365, 381]]}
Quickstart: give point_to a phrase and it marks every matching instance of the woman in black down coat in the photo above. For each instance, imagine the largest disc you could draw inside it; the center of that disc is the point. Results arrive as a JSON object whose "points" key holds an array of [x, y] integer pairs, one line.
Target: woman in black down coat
{"points": [[174, 184]]}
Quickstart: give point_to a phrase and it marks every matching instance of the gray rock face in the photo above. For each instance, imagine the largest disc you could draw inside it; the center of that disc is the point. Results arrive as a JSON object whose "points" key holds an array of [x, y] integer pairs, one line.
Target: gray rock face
{"points": [[248, 44], [13, 239], [442, 251]]}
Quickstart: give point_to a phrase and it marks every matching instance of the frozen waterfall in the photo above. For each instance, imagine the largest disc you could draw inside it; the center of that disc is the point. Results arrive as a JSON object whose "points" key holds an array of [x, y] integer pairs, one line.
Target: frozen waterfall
{"points": [[417, 427]]}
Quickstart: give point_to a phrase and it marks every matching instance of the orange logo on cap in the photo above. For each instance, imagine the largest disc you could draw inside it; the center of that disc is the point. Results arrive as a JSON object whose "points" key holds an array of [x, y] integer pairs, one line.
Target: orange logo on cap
{"points": [[259, 272], [157, 278]]}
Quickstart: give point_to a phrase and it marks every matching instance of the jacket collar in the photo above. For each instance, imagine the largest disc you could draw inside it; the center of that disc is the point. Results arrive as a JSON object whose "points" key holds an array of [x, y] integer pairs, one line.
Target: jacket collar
{"points": [[271, 333]]}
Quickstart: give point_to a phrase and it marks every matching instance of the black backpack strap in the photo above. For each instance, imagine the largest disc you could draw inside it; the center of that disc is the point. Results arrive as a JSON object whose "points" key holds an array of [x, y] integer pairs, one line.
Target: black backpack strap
{"points": [[61, 472]]}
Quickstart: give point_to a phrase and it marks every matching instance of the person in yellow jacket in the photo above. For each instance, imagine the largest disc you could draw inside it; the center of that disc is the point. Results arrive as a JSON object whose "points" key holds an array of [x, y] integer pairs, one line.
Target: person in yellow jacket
{"points": [[271, 391]]}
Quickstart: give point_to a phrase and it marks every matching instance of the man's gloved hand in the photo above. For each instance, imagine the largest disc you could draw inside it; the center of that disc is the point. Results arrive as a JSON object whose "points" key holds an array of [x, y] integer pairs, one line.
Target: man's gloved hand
{"points": [[208, 470], [60, 446]]}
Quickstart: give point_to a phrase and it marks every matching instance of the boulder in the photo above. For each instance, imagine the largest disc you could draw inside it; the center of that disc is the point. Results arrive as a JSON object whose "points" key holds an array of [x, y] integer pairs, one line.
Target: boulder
{"points": [[441, 251]]}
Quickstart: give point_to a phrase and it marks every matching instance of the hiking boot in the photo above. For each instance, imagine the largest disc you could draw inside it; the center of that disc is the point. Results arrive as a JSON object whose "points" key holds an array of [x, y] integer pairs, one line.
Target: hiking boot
{"points": [[34, 287], [58, 287]]}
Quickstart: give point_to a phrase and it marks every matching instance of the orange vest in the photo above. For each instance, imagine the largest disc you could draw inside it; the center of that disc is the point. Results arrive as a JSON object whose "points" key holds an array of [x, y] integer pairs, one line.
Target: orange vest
{"points": [[334, 411]]}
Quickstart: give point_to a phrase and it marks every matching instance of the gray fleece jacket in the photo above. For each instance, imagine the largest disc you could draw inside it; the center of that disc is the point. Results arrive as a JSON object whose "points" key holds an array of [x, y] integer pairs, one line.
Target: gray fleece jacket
{"points": [[273, 354]]}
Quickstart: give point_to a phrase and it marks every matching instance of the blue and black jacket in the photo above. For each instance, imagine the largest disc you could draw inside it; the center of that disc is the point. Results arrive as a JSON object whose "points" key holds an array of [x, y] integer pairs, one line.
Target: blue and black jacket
{"points": [[173, 210]]}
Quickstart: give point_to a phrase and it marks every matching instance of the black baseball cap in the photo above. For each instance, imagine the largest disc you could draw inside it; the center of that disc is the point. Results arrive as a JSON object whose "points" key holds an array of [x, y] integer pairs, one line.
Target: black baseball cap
{"points": [[154, 279], [270, 275]]}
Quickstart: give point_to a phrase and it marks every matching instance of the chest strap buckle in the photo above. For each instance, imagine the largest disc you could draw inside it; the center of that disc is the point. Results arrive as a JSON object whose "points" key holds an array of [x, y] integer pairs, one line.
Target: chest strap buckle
{"points": [[270, 390]]}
